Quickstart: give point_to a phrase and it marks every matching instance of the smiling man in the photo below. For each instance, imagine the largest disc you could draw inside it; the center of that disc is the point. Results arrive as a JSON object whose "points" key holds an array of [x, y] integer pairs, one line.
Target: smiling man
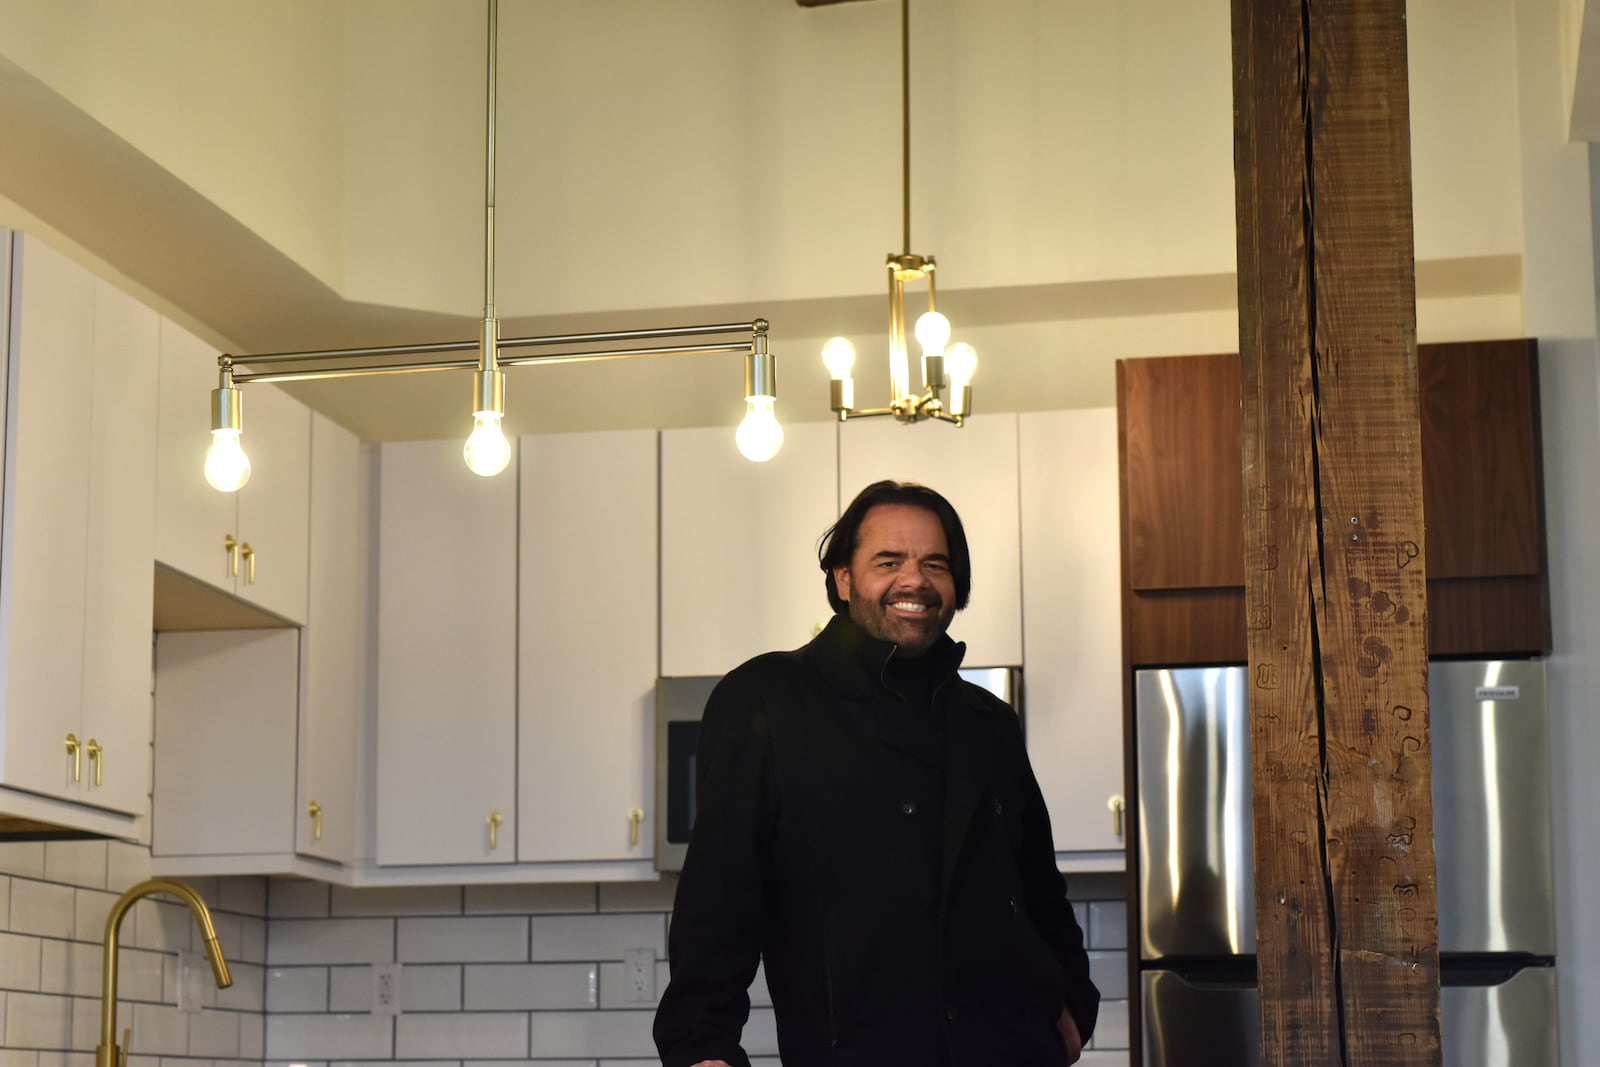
{"points": [[869, 827]]}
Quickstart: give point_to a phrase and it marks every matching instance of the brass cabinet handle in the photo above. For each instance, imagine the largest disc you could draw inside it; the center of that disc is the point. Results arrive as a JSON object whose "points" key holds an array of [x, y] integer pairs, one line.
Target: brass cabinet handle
{"points": [[95, 753], [315, 811], [75, 752], [1116, 806], [495, 819], [635, 817], [249, 555], [230, 544]]}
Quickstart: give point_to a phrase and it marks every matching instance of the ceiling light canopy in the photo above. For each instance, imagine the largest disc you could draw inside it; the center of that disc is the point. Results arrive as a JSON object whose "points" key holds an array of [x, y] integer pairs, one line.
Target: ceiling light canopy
{"points": [[944, 366], [487, 452]]}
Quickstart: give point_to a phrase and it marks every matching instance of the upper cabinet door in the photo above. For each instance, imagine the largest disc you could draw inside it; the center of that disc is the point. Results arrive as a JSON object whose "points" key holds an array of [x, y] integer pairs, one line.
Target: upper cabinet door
{"points": [[1072, 620], [43, 591], [333, 646], [447, 666], [975, 468], [275, 505], [739, 572], [121, 544], [193, 520], [587, 631]]}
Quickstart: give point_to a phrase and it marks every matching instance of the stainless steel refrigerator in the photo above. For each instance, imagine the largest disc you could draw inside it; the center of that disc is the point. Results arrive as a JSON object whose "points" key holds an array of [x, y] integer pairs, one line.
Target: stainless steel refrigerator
{"points": [[1196, 893]]}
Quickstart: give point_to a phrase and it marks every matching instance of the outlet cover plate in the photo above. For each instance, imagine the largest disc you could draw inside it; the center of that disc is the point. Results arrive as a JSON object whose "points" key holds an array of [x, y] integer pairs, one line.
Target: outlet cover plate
{"points": [[386, 989], [639, 976]]}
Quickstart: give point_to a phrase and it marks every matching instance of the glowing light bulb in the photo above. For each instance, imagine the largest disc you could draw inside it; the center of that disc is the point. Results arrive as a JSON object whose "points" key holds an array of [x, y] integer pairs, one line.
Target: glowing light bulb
{"points": [[933, 332], [839, 356], [759, 436], [487, 451], [960, 362], [227, 467]]}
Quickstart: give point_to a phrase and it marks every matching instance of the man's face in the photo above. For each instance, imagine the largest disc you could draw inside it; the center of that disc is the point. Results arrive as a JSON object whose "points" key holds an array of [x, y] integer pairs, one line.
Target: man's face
{"points": [[898, 584]]}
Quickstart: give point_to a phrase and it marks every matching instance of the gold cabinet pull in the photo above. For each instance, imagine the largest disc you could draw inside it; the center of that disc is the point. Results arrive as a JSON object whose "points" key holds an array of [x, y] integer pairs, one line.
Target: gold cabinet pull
{"points": [[230, 544], [249, 555], [74, 750], [495, 819], [1116, 806], [95, 752], [315, 811], [635, 817]]}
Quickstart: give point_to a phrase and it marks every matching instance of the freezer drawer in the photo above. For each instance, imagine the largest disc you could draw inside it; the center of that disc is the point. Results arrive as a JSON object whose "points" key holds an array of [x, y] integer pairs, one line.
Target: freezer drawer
{"points": [[1512, 1024]]}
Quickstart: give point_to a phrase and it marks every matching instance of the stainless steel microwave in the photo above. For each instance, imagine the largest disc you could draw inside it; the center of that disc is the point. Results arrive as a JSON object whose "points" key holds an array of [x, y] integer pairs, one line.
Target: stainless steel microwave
{"points": [[680, 703]]}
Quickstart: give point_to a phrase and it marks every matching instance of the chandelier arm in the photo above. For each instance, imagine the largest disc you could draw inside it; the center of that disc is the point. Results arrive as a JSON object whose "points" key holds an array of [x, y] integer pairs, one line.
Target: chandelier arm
{"points": [[488, 193], [905, 120]]}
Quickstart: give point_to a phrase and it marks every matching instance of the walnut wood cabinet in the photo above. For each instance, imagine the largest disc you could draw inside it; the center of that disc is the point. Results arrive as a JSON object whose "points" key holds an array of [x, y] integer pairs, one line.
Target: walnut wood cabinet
{"points": [[1183, 502]]}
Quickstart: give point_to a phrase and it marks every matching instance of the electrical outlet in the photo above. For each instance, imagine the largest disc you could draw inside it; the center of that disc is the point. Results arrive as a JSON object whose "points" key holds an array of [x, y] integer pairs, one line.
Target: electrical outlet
{"points": [[639, 976], [193, 972], [386, 989]]}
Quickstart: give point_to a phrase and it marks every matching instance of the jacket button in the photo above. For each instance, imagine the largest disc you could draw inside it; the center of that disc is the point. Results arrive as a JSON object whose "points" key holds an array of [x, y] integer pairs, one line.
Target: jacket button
{"points": [[1012, 901], [908, 807], [998, 808], [950, 1013]]}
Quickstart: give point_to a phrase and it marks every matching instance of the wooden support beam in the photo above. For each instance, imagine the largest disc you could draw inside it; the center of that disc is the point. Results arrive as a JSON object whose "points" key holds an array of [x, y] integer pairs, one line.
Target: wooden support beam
{"points": [[1335, 598]]}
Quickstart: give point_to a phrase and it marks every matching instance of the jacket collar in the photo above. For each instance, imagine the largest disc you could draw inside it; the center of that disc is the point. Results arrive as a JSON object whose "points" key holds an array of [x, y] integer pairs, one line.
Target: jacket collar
{"points": [[854, 662]]}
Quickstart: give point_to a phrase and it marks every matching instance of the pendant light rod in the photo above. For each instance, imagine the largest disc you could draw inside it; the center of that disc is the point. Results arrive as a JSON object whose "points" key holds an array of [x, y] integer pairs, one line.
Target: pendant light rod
{"points": [[905, 121], [488, 193]]}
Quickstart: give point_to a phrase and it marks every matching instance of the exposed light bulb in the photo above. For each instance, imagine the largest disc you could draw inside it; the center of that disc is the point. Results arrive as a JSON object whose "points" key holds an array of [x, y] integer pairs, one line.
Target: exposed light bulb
{"points": [[227, 467], [960, 362], [487, 451], [839, 356], [759, 436], [933, 333]]}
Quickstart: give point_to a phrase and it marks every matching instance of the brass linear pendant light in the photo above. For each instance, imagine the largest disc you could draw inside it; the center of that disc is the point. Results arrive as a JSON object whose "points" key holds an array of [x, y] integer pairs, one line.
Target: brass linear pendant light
{"points": [[942, 368], [487, 452]]}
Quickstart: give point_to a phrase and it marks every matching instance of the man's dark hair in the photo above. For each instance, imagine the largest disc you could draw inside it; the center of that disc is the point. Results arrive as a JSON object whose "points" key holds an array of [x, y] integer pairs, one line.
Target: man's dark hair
{"points": [[838, 545]]}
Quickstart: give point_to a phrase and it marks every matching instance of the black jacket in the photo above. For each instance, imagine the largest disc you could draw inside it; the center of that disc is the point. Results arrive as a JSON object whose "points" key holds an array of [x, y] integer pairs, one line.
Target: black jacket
{"points": [[811, 849]]}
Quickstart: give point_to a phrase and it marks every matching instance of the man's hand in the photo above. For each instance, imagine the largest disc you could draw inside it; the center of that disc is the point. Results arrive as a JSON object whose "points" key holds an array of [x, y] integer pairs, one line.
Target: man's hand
{"points": [[1069, 1034]]}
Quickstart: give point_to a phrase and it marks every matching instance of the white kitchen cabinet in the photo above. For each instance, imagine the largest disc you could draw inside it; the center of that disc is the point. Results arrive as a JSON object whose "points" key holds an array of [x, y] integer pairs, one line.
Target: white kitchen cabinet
{"points": [[224, 748], [739, 572], [75, 578], [251, 544], [1072, 622], [975, 468], [587, 635], [446, 658], [333, 646]]}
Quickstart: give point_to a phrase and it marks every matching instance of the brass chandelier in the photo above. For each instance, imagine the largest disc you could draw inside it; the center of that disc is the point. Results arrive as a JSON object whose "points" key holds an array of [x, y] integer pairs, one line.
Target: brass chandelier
{"points": [[944, 366], [487, 452]]}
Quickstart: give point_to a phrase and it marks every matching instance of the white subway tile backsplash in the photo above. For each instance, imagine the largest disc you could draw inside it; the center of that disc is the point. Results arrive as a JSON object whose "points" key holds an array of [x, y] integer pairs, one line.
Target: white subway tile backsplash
{"points": [[252, 1037], [205, 992], [13, 1057], [1108, 924], [253, 940], [42, 908], [126, 866], [22, 858], [485, 939], [540, 899], [5, 905], [386, 901], [89, 911], [34, 1020], [639, 896], [350, 988], [530, 986], [20, 962], [159, 925], [424, 988], [7, 1058], [1111, 1031], [141, 973], [214, 1034], [163, 1030], [243, 896], [69, 969], [1097, 1058], [1110, 973], [298, 1038], [247, 992], [293, 899], [595, 1033], [292, 989], [597, 937], [80, 863], [475, 1036], [331, 941]]}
